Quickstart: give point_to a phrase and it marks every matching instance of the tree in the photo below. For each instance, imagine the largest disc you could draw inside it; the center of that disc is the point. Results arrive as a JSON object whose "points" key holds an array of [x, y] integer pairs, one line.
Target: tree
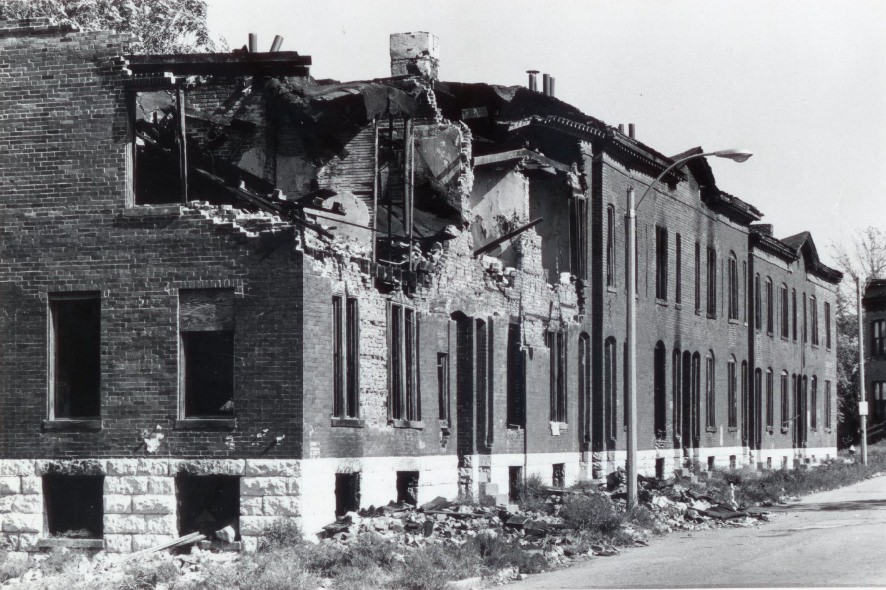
{"points": [[865, 258], [158, 26]]}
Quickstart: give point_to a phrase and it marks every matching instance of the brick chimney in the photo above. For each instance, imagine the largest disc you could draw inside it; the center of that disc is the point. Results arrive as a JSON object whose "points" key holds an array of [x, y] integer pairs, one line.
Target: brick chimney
{"points": [[415, 54]]}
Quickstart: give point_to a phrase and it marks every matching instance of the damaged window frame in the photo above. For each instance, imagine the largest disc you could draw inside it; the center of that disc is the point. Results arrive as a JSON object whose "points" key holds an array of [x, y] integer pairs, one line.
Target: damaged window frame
{"points": [[144, 85], [346, 361], [215, 325], [404, 402], [55, 304]]}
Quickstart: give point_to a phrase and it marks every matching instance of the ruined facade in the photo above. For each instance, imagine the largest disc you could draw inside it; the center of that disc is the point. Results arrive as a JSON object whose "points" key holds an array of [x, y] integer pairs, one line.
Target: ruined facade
{"points": [[232, 293]]}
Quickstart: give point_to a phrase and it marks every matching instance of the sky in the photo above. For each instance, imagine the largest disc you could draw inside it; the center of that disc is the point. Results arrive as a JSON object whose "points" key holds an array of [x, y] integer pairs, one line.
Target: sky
{"points": [[800, 84]]}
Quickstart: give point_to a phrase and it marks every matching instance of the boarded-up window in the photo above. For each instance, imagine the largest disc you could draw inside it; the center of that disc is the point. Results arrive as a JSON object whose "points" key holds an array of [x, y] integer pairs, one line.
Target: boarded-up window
{"points": [[206, 325]]}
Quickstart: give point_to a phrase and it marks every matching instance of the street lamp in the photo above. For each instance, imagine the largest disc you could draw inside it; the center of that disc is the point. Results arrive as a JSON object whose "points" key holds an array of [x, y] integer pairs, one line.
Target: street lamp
{"points": [[631, 368]]}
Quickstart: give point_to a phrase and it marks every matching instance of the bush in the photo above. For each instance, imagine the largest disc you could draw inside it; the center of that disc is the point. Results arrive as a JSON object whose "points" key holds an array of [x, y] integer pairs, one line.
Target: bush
{"points": [[11, 568], [282, 533], [431, 567], [593, 513], [533, 494]]}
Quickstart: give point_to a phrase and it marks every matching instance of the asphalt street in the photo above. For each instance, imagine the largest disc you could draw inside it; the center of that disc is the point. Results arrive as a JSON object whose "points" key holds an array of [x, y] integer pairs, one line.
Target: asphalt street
{"points": [[831, 538]]}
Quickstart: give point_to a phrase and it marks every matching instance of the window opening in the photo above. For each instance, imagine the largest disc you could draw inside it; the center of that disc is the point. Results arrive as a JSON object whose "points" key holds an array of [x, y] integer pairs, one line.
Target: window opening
{"points": [[347, 493], [733, 287], [827, 324], [75, 348], [710, 394], [813, 312], [516, 378], [785, 325], [697, 277], [207, 503], [712, 282], [770, 402], [206, 324], [443, 387], [556, 343], [407, 487], [558, 475], [758, 304], [770, 309], [515, 483], [827, 405], [405, 397], [610, 246], [731, 398], [74, 506], [678, 270], [346, 362], [661, 263]]}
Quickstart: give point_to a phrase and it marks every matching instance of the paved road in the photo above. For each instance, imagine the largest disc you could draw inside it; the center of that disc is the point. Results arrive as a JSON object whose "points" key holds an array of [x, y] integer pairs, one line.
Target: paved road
{"points": [[832, 538]]}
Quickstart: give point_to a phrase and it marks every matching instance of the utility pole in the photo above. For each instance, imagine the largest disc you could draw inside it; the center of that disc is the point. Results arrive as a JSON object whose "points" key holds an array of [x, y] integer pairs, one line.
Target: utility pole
{"points": [[630, 362], [862, 406]]}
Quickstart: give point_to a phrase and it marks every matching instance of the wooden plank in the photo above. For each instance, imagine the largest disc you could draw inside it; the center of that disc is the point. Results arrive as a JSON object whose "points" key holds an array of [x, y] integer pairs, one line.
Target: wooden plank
{"points": [[206, 309]]}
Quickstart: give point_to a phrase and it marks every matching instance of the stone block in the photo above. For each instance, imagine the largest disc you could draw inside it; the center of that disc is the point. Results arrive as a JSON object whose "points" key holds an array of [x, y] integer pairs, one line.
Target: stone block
{"points": [[128, 484], [152, 467], [124, 523], [117, 503], [251, 506], [121, 466], [18, 467], [6, 503], [263, 486], [255, 525], [160, 485], [32, 484], [29, 541], [30, 504], [292, 486], [281, 506], [249, 544], [10, 484], [140, 542], [22, 523], [272, 467], [9, 542], [207, 466], [118, 543], [161, 524], [153, 504]]}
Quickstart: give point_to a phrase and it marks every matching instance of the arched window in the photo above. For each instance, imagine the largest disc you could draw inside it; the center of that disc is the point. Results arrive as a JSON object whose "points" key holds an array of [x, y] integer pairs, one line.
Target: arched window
{"points": [[677, 390], [610, 246], [733, 287], [794, 314], [770, 402], [770, 309], [758, 303], [710, 393]]}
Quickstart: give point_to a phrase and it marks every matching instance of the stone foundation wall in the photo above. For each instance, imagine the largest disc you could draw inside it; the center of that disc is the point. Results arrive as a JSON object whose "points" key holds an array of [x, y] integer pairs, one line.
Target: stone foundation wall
{"points": [[140, 502]]}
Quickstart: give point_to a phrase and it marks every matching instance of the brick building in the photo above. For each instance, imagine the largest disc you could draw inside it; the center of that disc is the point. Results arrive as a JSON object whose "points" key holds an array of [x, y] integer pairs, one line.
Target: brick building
{"points": [[874, 322], [232, 293]]}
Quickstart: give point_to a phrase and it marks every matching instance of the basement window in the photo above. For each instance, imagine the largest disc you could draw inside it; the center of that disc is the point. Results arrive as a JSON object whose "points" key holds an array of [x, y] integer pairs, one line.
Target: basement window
{"points": [[347, 493], [407, 487], [75, 356], [207, 503], [74, 505], [206, 325], [558, 475], [515, 483]]}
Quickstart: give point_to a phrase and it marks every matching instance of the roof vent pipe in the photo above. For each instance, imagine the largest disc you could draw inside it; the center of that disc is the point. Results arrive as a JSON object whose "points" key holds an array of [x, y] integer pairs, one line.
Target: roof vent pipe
{"points": [[253, 43], [275, 46], [621, 128], [631, 130], [551, 86], [546, 84], [533, 80]]}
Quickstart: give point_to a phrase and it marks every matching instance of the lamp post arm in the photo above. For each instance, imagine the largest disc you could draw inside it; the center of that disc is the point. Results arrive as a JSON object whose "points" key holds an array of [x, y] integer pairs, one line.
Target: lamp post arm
{"points": [[664, 172]]}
